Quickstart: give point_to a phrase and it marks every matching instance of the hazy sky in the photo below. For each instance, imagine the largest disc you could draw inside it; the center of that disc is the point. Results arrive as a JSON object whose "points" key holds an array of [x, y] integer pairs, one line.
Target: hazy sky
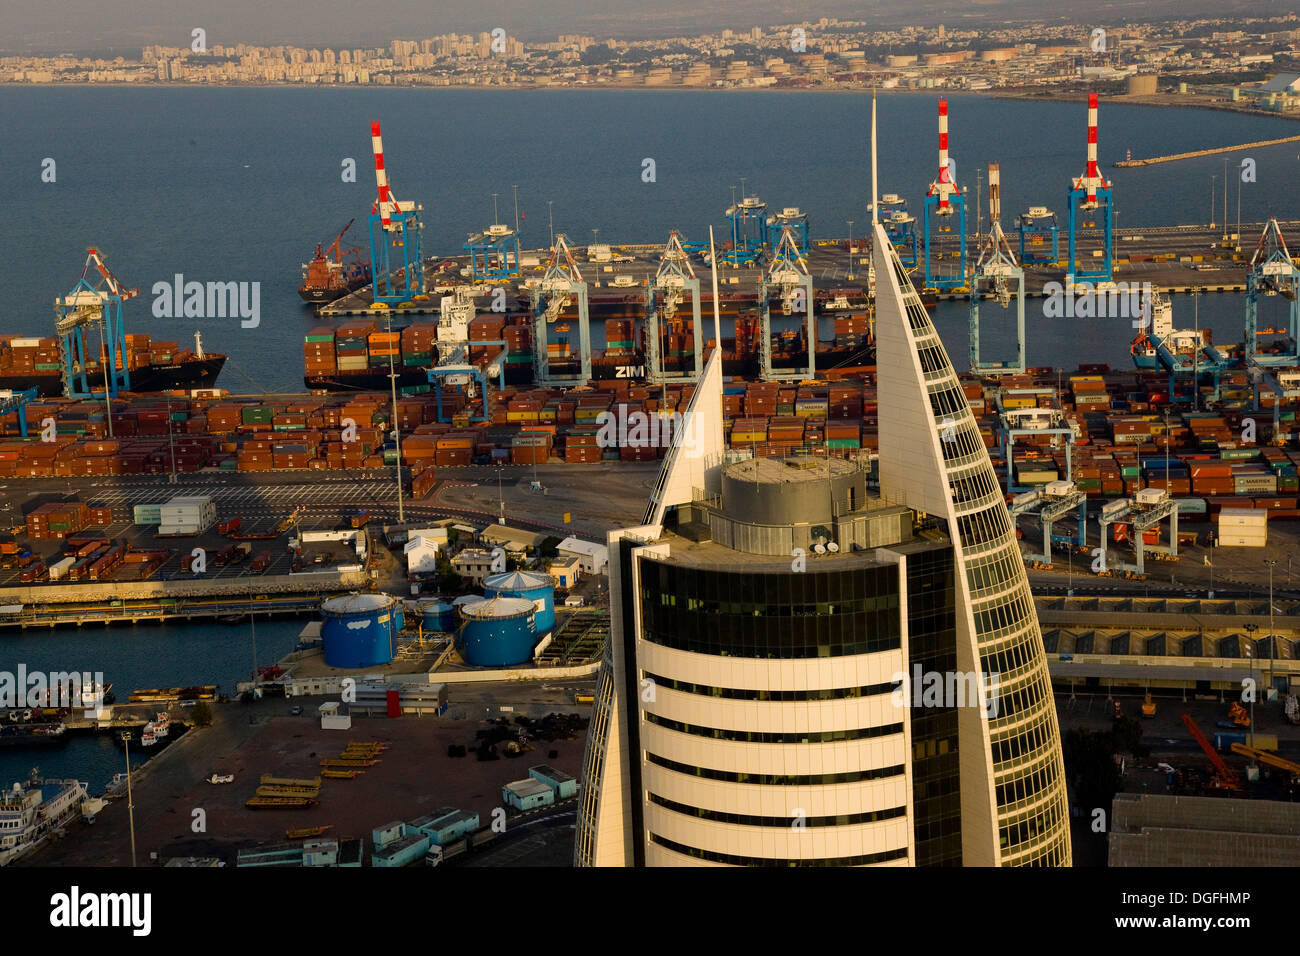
{"points": [[126, 25]]}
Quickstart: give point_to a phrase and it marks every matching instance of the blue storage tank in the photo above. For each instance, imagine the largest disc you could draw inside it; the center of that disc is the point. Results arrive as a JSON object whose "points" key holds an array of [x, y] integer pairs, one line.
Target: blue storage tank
{"points": [[360, 630], [497, 632], [538, 588], [437, 615]]}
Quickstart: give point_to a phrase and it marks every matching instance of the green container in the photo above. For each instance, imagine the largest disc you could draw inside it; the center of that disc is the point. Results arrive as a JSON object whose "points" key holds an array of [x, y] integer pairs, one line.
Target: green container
{"points": [[47, 366], [390, 456], [229, 464], [257, 415], [180, 416], [288, 428], [1239, 454], [414, 390], [320, 338], [843, 443], [785, 410], [1131, 471]]}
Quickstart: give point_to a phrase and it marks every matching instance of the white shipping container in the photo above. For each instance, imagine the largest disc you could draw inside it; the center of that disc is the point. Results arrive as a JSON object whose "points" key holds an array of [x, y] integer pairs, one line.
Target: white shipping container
{"points": [[25, 343], [1241, 541]]}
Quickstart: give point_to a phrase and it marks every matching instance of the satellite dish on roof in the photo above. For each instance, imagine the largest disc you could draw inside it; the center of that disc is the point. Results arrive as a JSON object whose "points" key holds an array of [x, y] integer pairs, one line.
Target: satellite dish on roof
{"points": [[819, 548], [833, 548]]}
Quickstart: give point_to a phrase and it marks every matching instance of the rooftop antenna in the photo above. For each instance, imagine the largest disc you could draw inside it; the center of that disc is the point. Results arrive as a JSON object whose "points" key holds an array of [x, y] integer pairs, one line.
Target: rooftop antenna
{"points": [[874, 192], [717, 320]]}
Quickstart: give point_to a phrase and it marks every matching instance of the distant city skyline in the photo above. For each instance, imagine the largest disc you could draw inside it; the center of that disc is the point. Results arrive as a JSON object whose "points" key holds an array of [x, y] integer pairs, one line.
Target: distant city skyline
{"points": [[82, 26]]}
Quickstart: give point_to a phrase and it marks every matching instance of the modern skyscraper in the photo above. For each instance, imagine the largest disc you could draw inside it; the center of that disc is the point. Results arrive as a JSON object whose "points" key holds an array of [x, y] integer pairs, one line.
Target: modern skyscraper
{"points": [[802, 673]]}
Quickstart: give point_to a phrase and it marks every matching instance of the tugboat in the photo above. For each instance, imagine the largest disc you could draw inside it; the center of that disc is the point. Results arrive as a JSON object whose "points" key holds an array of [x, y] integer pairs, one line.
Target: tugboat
{"points": [[327, 277]]}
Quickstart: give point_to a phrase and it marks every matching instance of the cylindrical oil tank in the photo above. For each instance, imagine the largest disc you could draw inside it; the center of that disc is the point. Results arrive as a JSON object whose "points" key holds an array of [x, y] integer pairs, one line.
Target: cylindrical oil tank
{"points": [[360, 630], [538, 588], [437, 615], [497, 632]]}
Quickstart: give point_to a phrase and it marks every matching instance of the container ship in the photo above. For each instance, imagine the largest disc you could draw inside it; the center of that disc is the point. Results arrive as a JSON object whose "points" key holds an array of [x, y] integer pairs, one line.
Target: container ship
{"points": [[330, 275], [359, 356], [154, 366]]}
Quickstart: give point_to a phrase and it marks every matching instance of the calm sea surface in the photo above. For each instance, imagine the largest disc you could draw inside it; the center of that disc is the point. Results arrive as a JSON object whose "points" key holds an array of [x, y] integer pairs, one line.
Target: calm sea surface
{"points": [[239, 184]]}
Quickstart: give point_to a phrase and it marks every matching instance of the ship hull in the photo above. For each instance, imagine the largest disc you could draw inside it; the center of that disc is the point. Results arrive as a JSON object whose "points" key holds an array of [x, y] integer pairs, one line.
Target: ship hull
{"points": [[368, 381], [319, 295], [200, 373]]}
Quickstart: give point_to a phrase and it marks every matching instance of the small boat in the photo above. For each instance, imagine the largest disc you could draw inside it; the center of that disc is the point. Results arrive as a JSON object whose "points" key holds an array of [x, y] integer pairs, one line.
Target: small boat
{"points": [[222, 778], [340, 774], [303, 833]]}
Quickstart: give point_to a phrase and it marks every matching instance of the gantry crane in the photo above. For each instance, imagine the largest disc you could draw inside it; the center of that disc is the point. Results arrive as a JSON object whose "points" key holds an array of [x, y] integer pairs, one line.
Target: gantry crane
{"points": [[1090, 193], [941, 201], [1272, 272], [397, 268], [786, 275], [17, 401], [493, 253], [94, 303], [1145, 511], [1016, 420], [1036, 227], [1053, 502], [998, 275], [667, 292], [557, 290], [749, 237], [900, 227]]}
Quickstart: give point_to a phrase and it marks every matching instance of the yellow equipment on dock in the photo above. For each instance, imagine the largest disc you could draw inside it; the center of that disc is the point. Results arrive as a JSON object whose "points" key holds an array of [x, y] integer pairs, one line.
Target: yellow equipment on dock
{"points": [[308, 792], [270, 781], [340, 774], [305, 832], [279, 803]]}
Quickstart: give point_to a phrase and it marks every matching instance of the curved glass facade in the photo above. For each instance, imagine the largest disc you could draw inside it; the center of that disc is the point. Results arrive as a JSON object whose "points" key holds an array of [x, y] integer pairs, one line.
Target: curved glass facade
{"points": [[1024, 740], [770, 616]]}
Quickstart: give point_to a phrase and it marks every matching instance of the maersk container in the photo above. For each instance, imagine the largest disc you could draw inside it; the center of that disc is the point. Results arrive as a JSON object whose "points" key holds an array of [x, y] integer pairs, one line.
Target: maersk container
{"points": [[360, 630], [531, 586], [497, 632]]}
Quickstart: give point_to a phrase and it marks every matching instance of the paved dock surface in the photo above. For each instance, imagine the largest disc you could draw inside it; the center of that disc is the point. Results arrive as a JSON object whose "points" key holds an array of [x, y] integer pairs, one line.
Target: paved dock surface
{"points": [[414, 777]]}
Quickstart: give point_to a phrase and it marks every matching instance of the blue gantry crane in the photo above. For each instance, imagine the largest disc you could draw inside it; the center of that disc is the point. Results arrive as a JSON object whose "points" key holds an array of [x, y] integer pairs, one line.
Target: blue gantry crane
{"points": [[900, 227], [1039, 232], [748, 222], [797, 221], [17, 401], [1000, 277], [493, 254], [396, 265], [94, 303]]}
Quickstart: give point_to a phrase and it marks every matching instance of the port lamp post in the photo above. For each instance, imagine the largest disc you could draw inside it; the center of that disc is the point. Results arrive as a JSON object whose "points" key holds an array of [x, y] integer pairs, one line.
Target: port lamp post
{"points": [[130, 800], [1271, 563]]}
